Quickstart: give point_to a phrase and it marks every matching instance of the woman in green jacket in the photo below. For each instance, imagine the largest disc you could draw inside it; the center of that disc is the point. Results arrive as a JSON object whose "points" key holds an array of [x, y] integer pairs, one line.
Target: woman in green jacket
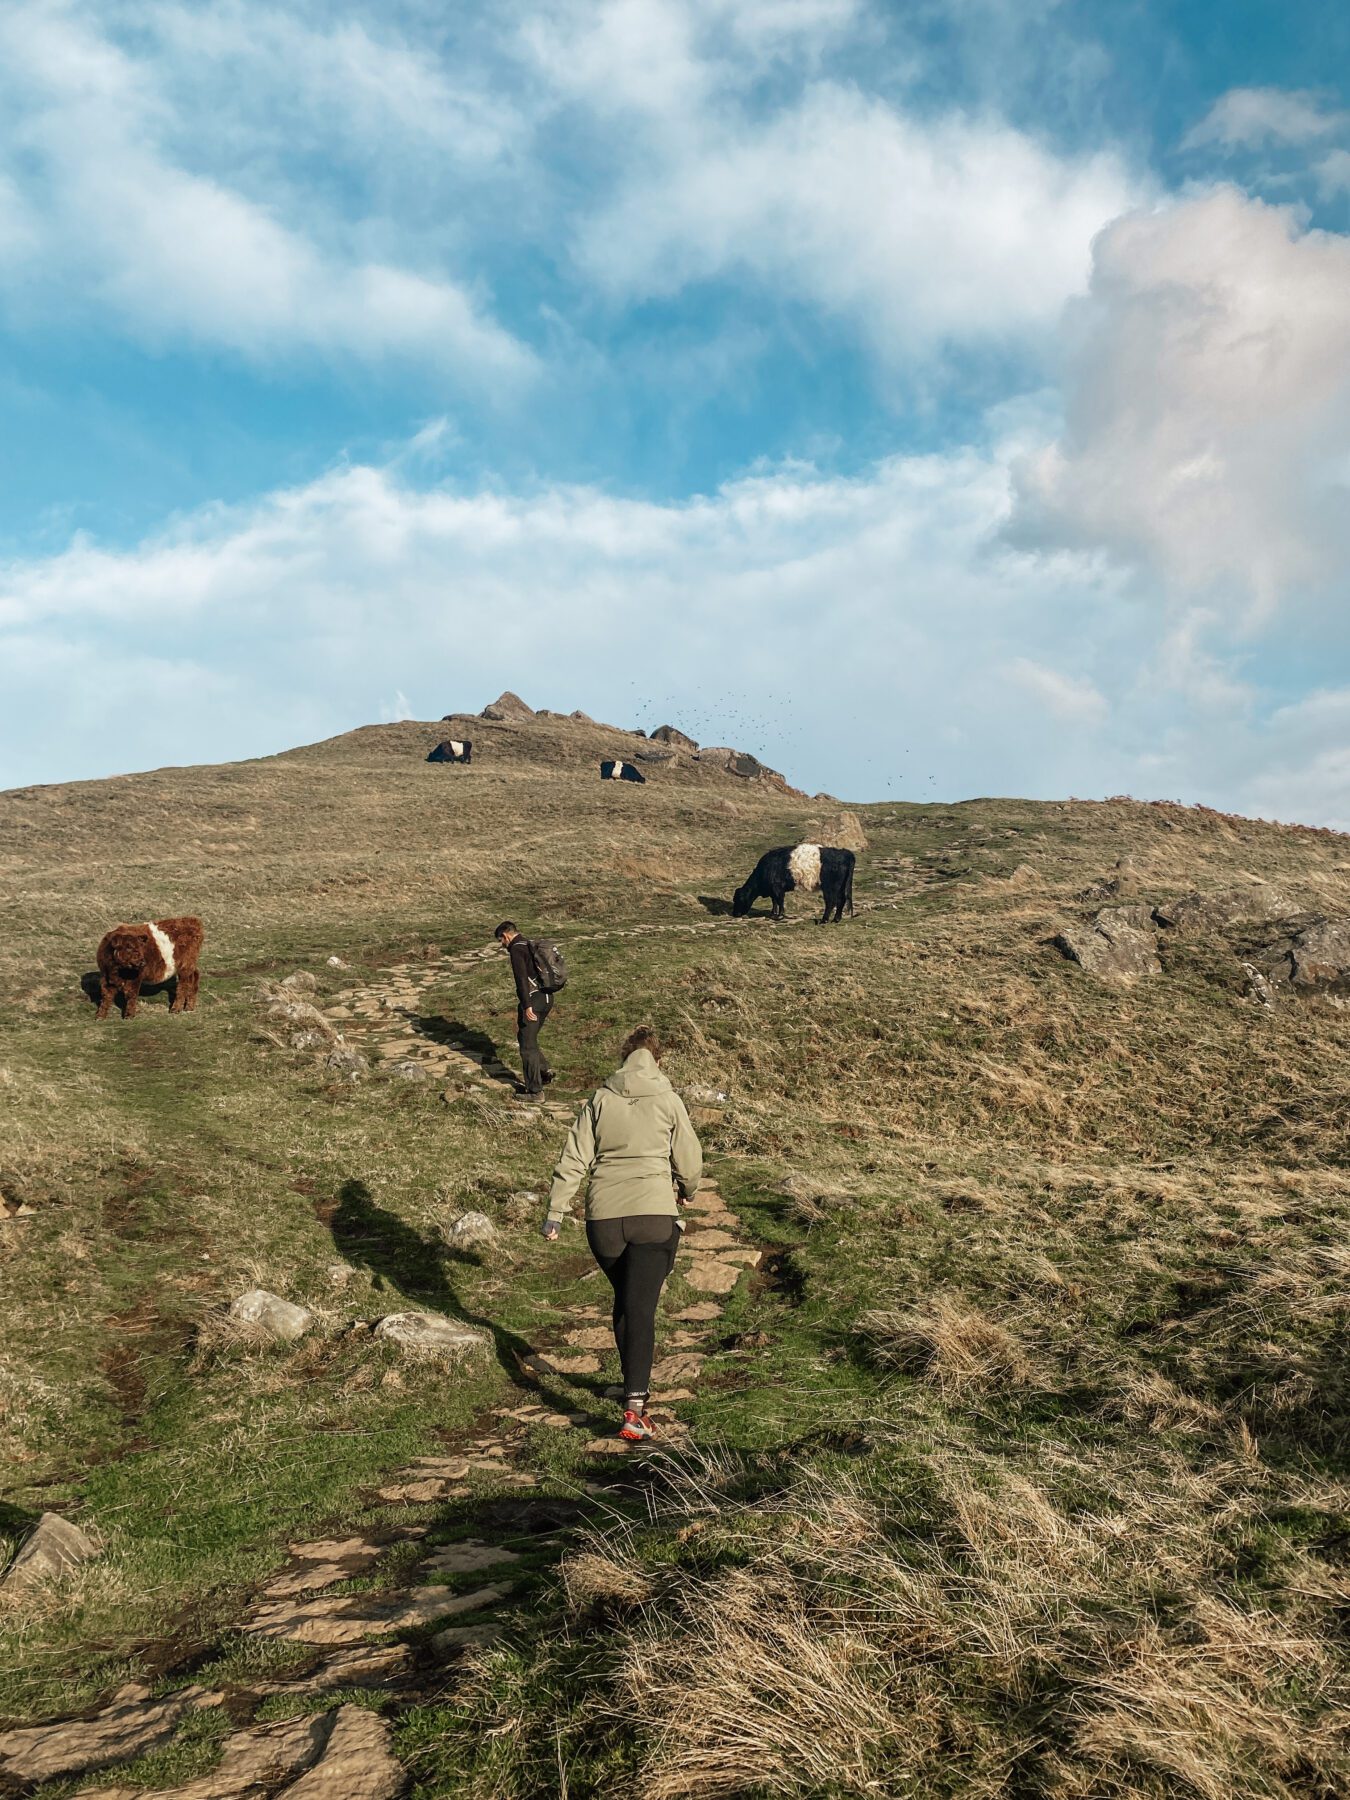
{"points": [[631, 1137]]}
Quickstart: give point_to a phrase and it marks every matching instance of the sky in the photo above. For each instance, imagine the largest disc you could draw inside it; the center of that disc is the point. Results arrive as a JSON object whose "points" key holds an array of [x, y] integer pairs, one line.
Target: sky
{"points": [[938, 399]]}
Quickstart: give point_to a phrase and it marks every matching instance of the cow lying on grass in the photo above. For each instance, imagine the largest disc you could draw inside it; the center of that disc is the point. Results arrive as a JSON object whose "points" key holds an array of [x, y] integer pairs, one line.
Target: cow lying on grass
{"points": [[814, 868], [135, 956]]}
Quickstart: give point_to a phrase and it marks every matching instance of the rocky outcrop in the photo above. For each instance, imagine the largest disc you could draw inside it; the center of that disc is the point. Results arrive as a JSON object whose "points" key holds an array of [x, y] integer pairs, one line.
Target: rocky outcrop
{"points": [[507, 706], [677, 739], [1120, 945], [1311, 959], [746, 768], [1237, 906], [53, 1546], [272, 1316]]}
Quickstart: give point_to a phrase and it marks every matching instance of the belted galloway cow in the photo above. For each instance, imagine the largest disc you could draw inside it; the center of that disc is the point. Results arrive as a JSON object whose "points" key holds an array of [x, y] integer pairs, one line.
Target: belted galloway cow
{"points": [[814, 868]]}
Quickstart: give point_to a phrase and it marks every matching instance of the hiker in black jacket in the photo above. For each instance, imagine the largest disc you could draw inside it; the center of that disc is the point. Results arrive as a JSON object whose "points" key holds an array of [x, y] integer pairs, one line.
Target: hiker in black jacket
{"points": [[533, 1008]]}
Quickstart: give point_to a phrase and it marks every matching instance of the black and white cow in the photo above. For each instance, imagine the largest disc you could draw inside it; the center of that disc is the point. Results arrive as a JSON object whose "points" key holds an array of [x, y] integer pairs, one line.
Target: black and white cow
{"points": [[620, 771], [452, 750], [814, 868]]}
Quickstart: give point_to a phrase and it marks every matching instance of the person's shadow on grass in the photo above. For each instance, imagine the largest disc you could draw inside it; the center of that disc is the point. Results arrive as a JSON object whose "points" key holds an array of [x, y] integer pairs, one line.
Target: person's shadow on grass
{"points": [[412, 1266]]}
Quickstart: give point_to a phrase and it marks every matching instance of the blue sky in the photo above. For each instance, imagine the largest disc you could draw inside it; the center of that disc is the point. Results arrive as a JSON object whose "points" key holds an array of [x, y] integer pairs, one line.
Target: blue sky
{"points": [[940, 399]]}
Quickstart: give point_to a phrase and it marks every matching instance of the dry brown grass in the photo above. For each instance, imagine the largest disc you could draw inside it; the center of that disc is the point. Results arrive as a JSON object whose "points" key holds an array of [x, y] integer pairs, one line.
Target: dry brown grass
{"points": [[950, 1345]]}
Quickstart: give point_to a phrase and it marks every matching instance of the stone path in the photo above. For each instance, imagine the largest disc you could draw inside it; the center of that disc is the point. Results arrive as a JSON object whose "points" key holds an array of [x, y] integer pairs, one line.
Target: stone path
{"points": [[481, 1513]]}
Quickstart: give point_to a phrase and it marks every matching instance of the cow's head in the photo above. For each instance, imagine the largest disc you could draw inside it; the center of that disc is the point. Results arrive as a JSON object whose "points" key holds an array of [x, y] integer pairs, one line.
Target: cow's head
{"points": [[740, 901]]}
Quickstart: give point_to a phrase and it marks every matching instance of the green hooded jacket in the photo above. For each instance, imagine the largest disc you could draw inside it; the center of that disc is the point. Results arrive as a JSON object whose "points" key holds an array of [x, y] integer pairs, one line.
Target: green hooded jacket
{"points": [[632, 1137]]}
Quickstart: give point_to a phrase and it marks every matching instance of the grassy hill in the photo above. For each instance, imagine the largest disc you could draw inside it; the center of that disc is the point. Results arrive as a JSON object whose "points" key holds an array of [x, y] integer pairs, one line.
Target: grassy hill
{"points": [[1018, 1469]]}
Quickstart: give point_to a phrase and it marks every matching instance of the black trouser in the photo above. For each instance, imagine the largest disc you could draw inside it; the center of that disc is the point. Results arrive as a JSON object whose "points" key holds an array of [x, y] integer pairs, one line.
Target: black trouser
{"points": [[533, 1066], [637, 1254]]}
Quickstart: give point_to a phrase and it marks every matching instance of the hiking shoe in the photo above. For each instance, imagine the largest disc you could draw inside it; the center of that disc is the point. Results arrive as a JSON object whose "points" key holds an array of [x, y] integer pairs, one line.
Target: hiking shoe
{"points": [[636, 1427]]}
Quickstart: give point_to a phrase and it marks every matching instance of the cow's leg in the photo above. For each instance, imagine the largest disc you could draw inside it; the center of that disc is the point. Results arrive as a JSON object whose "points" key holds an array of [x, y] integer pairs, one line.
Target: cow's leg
{"points": [[187, 987], [106, 992], [179, 997], [132, 992]]}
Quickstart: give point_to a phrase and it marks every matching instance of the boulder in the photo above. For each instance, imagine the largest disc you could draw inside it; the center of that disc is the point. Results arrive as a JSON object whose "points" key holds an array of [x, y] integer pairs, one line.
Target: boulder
{"points": [[746, 767], [336, 962], [654, 756], [581, 718], [430, 1334], [53, 1546], [1313, 959], [470, 1230], [272, 1315], [409, 1069], [1119, 946], [669, 734], [843, 832], [346, 1061], [507, 706], [302, 982]]}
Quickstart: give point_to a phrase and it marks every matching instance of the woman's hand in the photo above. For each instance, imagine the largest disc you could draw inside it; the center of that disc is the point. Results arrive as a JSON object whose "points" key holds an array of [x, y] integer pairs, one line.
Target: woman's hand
{"points": [[550, 1231]]}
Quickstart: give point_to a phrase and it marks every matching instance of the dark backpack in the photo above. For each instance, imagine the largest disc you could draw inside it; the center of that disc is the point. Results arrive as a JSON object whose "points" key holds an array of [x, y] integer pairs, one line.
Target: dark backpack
{"points": [[550, 967]]}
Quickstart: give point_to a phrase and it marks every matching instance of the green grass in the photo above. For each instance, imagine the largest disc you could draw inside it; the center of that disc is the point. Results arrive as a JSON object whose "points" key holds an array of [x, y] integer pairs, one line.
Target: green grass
{"points": [[1030, 1453]]}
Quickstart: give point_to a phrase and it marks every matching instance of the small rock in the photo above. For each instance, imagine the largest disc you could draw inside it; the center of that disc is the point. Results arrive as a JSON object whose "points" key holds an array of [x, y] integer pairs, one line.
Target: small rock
{"points": [[705, 1096], [271, 1314], [336, 962], [469, 1230], [302, 982], [706, 1276], [346, 1061], [430, 1334], [53, 1546], [308, 1038], [408, 1070]]}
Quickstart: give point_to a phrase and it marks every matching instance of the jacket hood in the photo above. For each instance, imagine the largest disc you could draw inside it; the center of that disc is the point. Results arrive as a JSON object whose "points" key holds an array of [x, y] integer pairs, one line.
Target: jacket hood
{"points": [[639, 1076]]}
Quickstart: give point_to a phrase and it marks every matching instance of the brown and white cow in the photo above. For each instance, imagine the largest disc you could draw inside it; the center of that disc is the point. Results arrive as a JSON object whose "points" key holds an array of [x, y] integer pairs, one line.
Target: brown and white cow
{"points": [[135, 956]]}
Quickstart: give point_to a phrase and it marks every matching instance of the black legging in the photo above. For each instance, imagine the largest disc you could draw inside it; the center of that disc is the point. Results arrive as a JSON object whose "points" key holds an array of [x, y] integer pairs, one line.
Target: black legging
{"points": [[637, 1254]]}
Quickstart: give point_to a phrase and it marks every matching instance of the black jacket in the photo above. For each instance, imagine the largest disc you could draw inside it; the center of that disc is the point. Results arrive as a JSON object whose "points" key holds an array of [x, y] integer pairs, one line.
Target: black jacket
{"points": [[522, 967]]}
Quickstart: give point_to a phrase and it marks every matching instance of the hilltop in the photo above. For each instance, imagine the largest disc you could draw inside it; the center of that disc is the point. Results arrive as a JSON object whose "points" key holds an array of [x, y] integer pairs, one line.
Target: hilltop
{"points": [[1017, 1453]]}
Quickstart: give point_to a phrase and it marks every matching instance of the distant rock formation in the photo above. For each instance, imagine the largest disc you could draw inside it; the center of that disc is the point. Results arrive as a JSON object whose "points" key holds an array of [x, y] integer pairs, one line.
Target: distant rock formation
{"points": [[507, 706], [669, 734], [1120, 945], [747, 768], [844, 832]]}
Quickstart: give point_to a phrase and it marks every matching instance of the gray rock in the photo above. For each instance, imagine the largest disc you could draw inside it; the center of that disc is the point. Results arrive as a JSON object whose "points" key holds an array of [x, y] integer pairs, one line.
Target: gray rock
{"points": [[345, 1061], [654, 756], [1119, 946], [670, 734], [336, 962], [704, 1096], [302, 982], [470, 1230], [409, 1070], [1313, 959], [1235, 906], [271, 1314], [430, 1334], [53, 1546], [310, 1039]]}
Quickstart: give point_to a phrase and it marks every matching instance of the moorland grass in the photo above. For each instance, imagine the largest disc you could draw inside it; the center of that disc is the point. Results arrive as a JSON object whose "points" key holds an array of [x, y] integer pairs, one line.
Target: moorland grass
{"points": [[1022, 1468]]}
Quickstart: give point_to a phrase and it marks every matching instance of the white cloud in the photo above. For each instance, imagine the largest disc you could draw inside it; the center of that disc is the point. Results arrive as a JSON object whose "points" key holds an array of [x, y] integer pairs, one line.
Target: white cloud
{"points": [[1249, 117], [1333, 174], [869, 635], [1072, 698], [110, 218], [922, 232], [1207, 406]]}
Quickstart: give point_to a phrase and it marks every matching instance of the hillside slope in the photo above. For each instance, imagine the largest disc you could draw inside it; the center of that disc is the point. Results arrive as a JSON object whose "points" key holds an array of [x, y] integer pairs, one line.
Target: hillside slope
{"points": [[1017, 1468]]}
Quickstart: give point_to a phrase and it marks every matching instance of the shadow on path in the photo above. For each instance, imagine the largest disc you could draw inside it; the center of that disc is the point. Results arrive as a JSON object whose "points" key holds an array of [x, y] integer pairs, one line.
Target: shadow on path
{"points": [[415, 1267], [460, 1036]]}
